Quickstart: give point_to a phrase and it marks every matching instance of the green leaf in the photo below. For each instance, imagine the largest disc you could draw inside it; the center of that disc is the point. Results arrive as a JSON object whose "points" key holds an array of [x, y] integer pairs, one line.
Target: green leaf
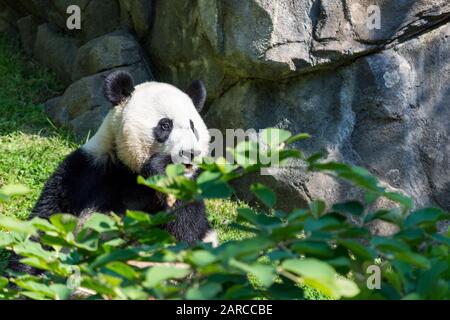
{"points": [[346, 287], [400, 198], [266, 195], [312, 248], [3, 282], [64, 222], [245, 247], [354, 174], [317, 208], [60, 291], [322, 277], [157, 274], [87, 240], [246, 154], [6, 239], [354, 208], [174, 170], [414, 259], [285, 291], [393, 215], [34, 295], [138, 215], [44, 225], [389, 244], [215, 190], [13, 190], [207, 177], [100, 223], [16, 225], [206, 291], [428, 280], [423, 217], [202, 258], [274, 137], [256, 219], [322, 224], [298, 137], [265, 274], [358, 249], [117, 255], [122, 269], [36, 287], [30, 248]]}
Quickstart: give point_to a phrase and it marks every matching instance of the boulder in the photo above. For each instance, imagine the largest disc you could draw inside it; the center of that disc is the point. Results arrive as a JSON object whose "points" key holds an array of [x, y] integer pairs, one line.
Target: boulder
{"points": [[8, 17], [386, 111], [83, 106], [56, 51], [98, 18], [28, 29], [106, 52], [225, 41], [136, 15]]}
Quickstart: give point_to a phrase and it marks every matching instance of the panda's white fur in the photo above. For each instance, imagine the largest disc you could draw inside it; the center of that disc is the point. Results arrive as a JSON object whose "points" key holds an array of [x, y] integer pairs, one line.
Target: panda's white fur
{"points": [[127, 129]]}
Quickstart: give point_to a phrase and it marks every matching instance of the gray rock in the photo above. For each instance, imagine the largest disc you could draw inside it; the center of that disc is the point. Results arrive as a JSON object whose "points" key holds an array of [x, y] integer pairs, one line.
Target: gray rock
{"points": [[387, 112], [106, 52], [8, 17], [28, 29], [82, 106], [99, 17], [225, 41], [137, 15], [7, 28], [56, 51]]}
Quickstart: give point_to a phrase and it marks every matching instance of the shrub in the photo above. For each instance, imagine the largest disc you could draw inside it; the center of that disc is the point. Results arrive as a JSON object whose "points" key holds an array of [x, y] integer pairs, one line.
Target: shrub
{"points": [[328, 249]]}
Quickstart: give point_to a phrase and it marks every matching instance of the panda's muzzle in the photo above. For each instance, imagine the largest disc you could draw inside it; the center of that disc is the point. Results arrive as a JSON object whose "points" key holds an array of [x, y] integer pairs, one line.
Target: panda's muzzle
{"points": [[158, 162], [187, 156]]}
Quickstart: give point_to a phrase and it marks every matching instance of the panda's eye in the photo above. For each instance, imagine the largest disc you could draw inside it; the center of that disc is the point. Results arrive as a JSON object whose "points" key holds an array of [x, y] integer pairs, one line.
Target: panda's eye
{"points": [[162, 130], [165, 124]]}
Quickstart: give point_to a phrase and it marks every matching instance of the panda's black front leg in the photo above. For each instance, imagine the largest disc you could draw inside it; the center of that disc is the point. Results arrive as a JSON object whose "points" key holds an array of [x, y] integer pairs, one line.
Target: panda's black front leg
{"points": [[191, 224], [52, 197]]}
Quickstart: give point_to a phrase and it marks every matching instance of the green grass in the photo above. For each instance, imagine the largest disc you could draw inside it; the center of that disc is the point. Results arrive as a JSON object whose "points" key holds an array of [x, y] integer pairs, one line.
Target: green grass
{"points": [[31, 147]]}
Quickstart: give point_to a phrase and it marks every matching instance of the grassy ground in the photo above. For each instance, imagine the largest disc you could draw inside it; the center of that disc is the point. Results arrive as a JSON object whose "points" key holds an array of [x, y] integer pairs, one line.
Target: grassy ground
{"points": [[31, 147]]}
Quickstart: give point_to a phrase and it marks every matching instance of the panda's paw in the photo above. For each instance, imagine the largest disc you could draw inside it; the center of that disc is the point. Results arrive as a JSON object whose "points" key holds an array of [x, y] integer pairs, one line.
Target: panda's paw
{"points": [[211, 237]]}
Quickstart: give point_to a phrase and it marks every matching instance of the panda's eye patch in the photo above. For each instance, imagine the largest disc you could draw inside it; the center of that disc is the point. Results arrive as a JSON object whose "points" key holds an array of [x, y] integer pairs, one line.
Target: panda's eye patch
{"points": [[193, 129], [163, 129]]}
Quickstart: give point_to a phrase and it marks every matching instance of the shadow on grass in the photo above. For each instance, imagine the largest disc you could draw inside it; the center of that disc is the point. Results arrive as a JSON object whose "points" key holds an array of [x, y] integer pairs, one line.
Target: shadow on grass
{"points": [[24, 88]]}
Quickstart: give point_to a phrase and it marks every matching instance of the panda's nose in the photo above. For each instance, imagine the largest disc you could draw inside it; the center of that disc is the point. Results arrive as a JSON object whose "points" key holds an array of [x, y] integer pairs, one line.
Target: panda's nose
{"points": [[189, 155]]}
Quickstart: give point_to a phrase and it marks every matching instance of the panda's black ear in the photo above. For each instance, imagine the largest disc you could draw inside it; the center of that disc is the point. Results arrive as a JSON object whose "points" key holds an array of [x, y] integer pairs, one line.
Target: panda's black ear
{"points": [[119, 85], [197, 92]]}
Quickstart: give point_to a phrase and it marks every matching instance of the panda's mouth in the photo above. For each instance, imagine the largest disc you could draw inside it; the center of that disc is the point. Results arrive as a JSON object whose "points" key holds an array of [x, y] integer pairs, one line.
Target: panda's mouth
{"points": [[189, 170], [158, 162]]}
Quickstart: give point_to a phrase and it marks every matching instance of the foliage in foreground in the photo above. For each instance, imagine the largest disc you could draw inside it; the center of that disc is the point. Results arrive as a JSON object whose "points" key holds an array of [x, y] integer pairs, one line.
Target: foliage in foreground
{"points": [[112, 257]]}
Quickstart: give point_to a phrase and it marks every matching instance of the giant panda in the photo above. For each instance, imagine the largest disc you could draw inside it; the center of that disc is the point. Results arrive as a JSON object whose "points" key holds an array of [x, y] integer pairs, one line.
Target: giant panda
{"points": [[149, 126]]}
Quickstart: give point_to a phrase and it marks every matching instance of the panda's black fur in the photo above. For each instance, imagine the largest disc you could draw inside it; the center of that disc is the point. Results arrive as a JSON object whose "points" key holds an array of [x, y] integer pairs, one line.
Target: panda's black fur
{"points": [[82, 185]]}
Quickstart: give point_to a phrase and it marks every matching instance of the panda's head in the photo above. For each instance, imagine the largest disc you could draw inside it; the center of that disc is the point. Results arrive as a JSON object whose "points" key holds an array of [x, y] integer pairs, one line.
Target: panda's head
{"points": [[151, 125]]}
